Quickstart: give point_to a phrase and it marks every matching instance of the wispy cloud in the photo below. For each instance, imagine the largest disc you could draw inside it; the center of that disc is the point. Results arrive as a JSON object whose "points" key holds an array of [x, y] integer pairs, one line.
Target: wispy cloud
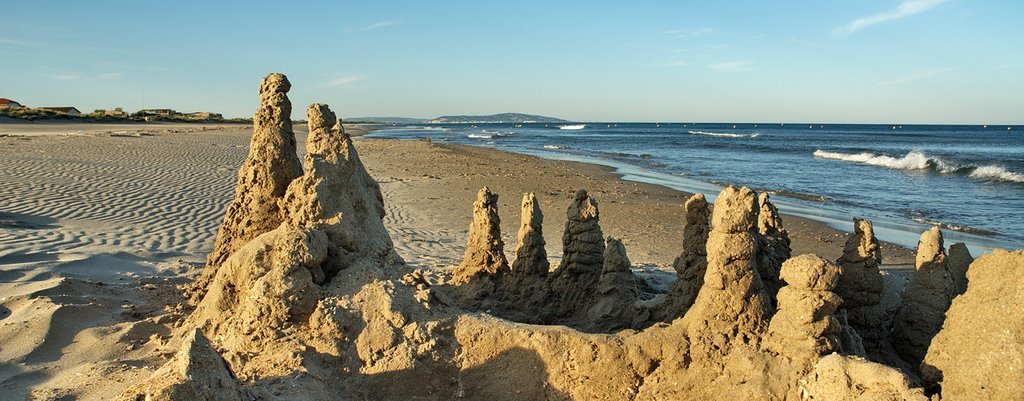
{"points": [[376, 25], [688, 33], [905, 9], [915, 76], [13, 42], [341, 81], [679, 63], [732, 66]]}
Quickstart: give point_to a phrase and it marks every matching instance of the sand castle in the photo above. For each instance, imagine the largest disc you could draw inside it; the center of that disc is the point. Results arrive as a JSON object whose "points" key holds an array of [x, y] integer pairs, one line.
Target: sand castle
{"points": [[319, 306]]}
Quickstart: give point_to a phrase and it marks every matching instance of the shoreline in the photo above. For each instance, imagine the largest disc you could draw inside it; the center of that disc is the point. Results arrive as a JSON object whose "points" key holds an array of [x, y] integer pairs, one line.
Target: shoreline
{"points": [[657, 209], [903, 232]]}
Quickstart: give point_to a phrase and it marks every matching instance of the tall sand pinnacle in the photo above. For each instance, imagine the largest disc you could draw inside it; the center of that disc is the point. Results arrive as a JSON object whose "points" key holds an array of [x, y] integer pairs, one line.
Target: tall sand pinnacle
{"points": [[860, 287], [264, 176], [775, 245], [485, 250], [804, 328], [692, 263], [574, 283], [925, 301], [732, 300]]}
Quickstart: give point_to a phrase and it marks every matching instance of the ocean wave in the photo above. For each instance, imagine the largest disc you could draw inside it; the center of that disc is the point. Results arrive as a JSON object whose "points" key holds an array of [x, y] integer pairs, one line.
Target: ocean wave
{"points": [[954, 227], [724, 134], [918, 160], [480, 136], [555, 147]]}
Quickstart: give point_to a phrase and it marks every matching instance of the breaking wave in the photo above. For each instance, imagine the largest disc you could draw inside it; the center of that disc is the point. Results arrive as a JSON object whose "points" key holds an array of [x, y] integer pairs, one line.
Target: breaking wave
{"points": [[724, 134], [917, 160], [555, 147]]}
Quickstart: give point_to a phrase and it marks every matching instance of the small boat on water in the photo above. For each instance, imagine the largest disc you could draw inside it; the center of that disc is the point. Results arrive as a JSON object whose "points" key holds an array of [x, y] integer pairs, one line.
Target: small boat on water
{"points": [[572, 127]]}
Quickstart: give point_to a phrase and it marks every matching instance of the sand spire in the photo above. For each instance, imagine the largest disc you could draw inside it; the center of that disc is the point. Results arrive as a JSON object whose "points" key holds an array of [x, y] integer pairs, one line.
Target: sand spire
{"points": [[614, 306], [925, 301], [264, 176], [804, 328], [197, 372], [958, 260], [531, 257], [775, 245], [574, 282], [732, 299], [860, 287], [692, 262], [485, 250]]}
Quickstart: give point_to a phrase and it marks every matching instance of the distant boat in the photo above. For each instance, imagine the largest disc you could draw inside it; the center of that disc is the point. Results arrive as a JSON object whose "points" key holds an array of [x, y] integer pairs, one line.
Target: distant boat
{"points": [[572, 127]]}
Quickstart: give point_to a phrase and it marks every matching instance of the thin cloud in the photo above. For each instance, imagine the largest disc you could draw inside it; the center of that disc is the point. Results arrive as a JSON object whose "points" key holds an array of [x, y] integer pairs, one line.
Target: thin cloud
{"points": [[376, 25], [905, 9], [13, 42], [915, 76], [680, 63], [688, 33], [732, 66], [342, 81]]}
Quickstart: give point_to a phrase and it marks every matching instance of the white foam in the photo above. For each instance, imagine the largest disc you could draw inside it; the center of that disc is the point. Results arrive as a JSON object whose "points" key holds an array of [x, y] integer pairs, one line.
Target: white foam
{"points": [[555, 147], [996, 173], [724, 134], [918, 160], [480, 136]]}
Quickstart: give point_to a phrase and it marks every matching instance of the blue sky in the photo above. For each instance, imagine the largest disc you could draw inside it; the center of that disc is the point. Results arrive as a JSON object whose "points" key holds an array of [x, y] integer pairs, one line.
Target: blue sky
{"points": [[915, 61]]}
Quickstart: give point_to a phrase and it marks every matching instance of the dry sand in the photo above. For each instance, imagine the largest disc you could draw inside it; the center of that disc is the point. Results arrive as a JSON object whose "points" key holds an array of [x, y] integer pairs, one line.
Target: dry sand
{"points": [[96, 220]]}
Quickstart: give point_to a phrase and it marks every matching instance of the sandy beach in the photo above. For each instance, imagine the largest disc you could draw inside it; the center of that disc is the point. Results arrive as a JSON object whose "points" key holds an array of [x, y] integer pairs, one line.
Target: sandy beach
{"points": [[99, 222]]}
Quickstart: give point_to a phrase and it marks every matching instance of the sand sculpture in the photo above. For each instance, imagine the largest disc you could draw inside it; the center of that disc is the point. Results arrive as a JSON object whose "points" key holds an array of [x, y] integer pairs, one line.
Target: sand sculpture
{"points": [[526, 284], [573, 284], [958, 259], [979, 353], [263, 178], [732, 305], [860, 288], [804, 328], [615, 305], [485, 251], [775, 245], [692, 262], [925, 301], [320, 307]]}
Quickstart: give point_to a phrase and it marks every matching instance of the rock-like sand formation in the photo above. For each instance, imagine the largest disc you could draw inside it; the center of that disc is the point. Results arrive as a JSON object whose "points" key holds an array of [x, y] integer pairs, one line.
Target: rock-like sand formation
{"points": [[732, 306], [197, 372], [692, 262], [574, 283], [617, 293], [804, 328], [321, 307], [926, 300], [485, 250], [272, 164], [860, 287], [525, 287], [958, 259], [775, 245], [979, 353]]}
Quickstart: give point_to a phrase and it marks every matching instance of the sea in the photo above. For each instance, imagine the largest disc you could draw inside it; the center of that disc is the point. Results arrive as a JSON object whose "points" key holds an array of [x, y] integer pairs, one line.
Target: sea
{"points": [[968, 180]]}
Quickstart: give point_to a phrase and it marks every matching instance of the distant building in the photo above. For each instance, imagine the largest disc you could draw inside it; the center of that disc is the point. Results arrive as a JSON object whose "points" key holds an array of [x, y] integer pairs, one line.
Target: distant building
{"points": [[9, 104], [117, 112], [204, 115], [158, 112], [63, 109]]}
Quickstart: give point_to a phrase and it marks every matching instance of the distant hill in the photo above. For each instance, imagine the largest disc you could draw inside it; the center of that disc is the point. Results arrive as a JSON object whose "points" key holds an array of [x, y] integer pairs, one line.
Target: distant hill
{"points": [[388, 120], [496, 118]]}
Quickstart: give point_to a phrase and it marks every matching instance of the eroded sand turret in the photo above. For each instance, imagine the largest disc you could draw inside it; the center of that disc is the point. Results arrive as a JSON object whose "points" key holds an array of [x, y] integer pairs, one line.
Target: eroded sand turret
{"points": [[860, 287], [574, 282], [732, 305], [525, 287], [263, 178], [197, 372], [804, 328], [692, 263], [958, 260], [775, 245], [979, 354], [485, 250], [925, 301], [615, 307], [337, 195]]}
